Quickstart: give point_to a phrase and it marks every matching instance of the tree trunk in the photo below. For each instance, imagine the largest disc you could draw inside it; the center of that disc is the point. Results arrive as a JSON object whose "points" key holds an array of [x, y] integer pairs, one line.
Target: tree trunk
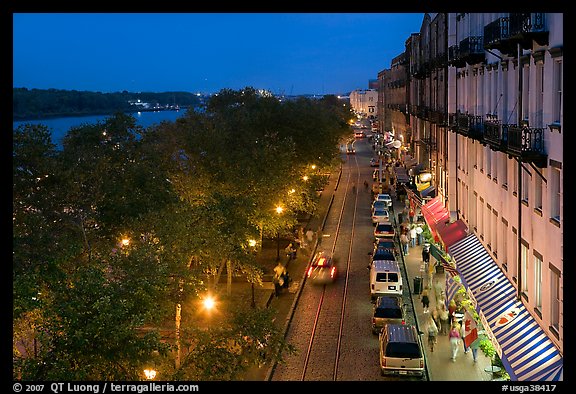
{"points": [[217, 276], [229, 283]]}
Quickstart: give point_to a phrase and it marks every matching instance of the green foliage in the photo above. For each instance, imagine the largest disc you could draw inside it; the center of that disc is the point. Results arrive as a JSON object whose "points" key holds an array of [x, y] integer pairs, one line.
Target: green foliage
{"points": [[188, 195], [42, 103]]}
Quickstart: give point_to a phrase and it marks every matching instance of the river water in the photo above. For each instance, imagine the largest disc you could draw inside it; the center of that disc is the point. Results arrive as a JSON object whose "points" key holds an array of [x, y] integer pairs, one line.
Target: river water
{"points": [[60, 126]]}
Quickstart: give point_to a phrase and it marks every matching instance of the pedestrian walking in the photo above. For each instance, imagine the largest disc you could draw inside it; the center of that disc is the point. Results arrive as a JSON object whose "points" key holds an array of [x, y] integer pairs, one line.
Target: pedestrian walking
{"points": [[454, 337], [404, 241], [419, 235], [444, 321], [474, 346], [451, 310], [290, 251], [425, 254], [425, 300], [436, 317], [278, 280], [432, 330], [413, 236], [411, 214], [310, 236]]}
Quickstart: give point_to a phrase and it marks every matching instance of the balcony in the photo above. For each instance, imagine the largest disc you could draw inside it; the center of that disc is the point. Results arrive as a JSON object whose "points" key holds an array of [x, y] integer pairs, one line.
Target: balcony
{"points": [[497, 36], [476, 128], [471, 50], [525, 27], [492, 133], [454, 59], [527, 143]]}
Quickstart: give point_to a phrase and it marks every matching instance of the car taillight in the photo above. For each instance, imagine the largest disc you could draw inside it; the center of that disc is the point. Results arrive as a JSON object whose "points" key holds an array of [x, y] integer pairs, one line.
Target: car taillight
{"points": [[403, 321], [310, 271], [421, 363]]}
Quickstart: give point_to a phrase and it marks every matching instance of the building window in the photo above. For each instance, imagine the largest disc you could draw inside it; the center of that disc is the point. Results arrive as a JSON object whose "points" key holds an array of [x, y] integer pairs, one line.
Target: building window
{"points": [[525, 91], [524, 268], [514, 176], [504, 175], [525, 185], [493, 232], [555, 298], [555, 196], [481, 153], [481, 218], [513, 262], [539, 95], [488, 161], [538, 281], [558, 81], [504, 250], [488, 226], [538, 190]]}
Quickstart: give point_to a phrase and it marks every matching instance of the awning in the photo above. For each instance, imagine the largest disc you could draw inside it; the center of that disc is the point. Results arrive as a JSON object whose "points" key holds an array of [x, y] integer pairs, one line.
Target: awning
{"points": [[452, 232], [434, 213], [526, 351]]}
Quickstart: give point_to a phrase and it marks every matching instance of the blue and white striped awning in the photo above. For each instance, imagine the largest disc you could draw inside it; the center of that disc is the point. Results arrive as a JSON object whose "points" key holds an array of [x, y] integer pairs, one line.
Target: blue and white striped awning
{"points": [[526, 351]]}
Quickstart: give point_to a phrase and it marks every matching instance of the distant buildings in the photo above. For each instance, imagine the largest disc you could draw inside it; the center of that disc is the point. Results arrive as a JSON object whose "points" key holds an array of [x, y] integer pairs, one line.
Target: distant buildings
{"points": [[363, 102], [478, 99]]}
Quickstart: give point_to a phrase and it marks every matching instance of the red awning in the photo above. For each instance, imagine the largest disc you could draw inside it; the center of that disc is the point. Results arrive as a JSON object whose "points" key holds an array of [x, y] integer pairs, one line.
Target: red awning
{"points": [[452, 232], [434, 213]]}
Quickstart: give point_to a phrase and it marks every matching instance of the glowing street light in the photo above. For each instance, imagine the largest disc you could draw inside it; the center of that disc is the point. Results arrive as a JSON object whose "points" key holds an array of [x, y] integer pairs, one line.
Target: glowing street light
{"points": [[125, 241], [305, 177], [279, 211], [209, 302], [150, 373], [252, 243]]}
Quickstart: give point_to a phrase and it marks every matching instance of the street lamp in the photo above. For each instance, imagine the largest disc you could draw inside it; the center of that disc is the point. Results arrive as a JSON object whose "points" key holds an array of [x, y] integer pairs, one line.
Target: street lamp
{"points": [[150, 373], [279, 211]]}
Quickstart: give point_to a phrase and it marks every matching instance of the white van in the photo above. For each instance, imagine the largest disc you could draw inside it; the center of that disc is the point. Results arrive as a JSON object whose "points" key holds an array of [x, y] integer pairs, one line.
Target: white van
{"points": [[385, 278], [401, 350]]}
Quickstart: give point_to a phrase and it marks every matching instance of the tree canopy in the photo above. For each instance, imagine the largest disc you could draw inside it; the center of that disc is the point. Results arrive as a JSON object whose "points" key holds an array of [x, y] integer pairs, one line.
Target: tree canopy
{"points": [[124, 223]]}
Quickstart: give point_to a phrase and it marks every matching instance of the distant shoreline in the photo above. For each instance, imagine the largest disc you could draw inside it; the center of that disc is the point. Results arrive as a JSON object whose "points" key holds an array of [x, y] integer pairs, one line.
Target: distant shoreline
{"points": [[96, 113]]}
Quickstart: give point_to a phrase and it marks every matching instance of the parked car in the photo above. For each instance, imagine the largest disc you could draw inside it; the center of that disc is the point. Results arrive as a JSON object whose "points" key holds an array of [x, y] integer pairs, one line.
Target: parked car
{"points": [[401, 350], [350, 150], [379, 204], [387, 244], [383, 253], [384, 197], [388, 309], [384, 230], [322, 269], [380, 215]]}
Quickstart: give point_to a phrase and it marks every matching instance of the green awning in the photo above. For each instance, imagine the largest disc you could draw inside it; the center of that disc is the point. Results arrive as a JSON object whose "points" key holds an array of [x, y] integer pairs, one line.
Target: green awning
{"points": [[435, 252]]}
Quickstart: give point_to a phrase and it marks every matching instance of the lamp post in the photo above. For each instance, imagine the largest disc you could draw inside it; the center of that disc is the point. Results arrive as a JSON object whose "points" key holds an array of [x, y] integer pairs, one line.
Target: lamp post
{"points": [[279, 211]]}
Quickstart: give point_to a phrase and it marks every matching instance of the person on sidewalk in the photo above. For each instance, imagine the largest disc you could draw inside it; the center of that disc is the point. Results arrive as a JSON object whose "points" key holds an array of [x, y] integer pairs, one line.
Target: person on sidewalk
{"points": [[436, 317], [413, 236], [474, 346], [432, 330], [411, 215], [426, 253], [404, 241], [290, 251], [425, 300], [444, 321], [310, 236], [454, 337]]}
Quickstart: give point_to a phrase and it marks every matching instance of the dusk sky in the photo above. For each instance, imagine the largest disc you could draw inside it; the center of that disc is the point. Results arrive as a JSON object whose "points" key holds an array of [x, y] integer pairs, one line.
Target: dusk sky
{"points": [[289, 53]]}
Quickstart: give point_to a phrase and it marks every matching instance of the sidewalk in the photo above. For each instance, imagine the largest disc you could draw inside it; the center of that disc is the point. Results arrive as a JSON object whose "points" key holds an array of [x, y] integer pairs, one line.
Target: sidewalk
{"points": [[284, 304], [439, 364]]}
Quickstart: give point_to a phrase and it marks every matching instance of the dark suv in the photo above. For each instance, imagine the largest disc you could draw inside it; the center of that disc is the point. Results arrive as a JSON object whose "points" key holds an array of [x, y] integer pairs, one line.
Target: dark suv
{"points": [[387, 310]]}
